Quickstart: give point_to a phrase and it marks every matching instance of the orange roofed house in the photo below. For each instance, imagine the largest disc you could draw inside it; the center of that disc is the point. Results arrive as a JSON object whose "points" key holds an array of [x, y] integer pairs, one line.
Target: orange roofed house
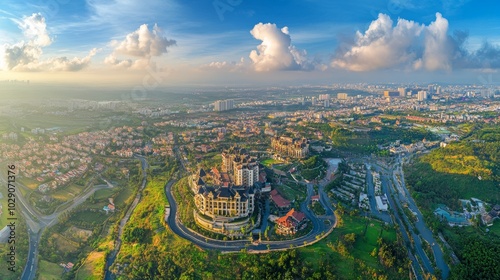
{"points": [[291, 222]]}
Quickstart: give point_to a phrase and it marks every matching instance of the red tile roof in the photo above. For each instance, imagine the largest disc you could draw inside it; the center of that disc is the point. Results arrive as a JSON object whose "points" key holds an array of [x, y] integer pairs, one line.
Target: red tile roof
{"points": [[292, 218], [278, 199], [297, 215]]}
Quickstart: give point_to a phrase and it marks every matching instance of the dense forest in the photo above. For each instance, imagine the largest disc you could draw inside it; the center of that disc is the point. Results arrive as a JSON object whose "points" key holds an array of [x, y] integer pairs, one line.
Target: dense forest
{"points": [[464, 169], [366, 142]]}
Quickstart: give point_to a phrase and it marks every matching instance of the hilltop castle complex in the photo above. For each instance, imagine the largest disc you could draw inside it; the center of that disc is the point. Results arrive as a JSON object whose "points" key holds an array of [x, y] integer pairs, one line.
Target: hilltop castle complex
{"points": [[230, 196], [244, 167]]}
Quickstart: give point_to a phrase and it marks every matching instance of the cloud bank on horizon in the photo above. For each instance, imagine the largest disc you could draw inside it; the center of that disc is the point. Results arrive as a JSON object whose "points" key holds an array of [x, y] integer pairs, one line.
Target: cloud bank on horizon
{"points": [[410, 45], [386, 44]]}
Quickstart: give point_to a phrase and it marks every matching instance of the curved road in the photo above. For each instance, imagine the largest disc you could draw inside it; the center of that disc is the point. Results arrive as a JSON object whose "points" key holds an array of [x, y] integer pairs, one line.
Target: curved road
{"points": [[178, 228], [319, 226]]}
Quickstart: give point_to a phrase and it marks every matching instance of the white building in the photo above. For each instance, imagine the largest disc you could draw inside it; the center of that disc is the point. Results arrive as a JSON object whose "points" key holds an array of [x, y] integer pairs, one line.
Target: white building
{"points": [[246, 174], [382, 204], [422, 95], [223, 105]]}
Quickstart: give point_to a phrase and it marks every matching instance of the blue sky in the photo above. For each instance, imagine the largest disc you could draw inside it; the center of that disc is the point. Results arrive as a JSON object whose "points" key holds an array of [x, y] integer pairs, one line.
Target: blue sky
{"points": [[213, 41]]}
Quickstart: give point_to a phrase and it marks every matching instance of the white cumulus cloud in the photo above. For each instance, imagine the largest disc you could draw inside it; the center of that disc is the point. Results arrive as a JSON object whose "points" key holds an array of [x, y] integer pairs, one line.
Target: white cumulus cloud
{"points": [[25, 55], [142, 44], [276, 51], [406, 45], [382, 45], [439, 47]]}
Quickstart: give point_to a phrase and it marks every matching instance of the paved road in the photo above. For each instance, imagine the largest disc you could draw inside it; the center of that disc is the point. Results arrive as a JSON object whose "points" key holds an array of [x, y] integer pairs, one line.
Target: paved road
{"points": [[424, 231], [384, 216], [265, 216], [404, 234], [402, 196]]}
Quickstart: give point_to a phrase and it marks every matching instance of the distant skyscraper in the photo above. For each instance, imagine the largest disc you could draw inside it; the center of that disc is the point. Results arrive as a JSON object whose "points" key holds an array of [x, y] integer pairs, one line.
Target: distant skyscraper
{"points": [[430, 89], [326, 103], [313, 101], [390, 93], [422, 95], [324, 96], [223, 105], [402, 91], [342, 96]]}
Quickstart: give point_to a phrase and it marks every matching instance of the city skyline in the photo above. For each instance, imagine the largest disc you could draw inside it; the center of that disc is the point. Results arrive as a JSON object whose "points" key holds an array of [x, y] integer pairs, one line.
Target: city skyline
{"points": [[237, 42]]}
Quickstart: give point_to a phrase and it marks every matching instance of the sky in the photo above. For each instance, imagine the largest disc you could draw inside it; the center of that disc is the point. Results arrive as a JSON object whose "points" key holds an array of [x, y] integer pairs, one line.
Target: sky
{"points": [[241, 42]]}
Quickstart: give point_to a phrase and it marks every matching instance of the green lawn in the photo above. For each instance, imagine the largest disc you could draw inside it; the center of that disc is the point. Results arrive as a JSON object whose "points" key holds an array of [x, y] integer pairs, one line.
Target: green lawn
{"points": [[292, 191], [90, 217], [364, 245], [49, 271], [93, 267], [67, 192], [495, 228], [122, 196], [268, 162], [30, 183], [104, 194]]}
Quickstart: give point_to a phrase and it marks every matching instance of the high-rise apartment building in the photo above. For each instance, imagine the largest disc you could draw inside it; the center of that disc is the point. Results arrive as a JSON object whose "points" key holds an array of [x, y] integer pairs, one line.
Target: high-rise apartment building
{"points": [[402, 91], [324, 96], [422, 95], [223, 105], [342, 96], [244, 167]]}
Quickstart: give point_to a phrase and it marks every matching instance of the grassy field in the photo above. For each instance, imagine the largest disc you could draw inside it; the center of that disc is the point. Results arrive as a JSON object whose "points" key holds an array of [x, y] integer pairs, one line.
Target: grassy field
{"points": [[77, 234], [292, 191], [93, 269], [268, 162], [364, 245], [64, 244], [68, 192], [89, 216], [283, 167], [49, 271], [30, 183], [123, 196], [104, 194], [495, 228]]}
